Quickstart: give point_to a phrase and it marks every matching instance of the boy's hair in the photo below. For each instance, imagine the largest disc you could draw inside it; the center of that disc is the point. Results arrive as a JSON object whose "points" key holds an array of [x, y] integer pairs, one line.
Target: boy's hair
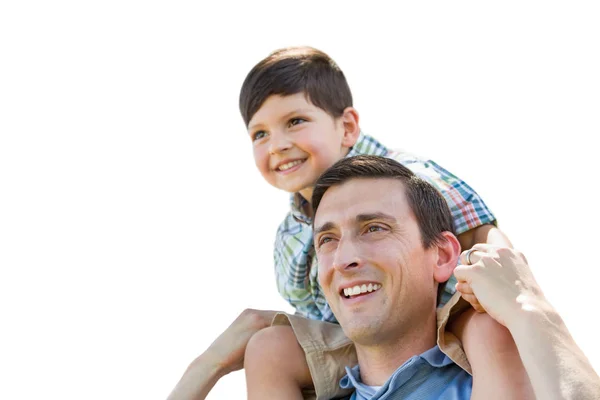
{"points": [[428, 205], [295, 70]]}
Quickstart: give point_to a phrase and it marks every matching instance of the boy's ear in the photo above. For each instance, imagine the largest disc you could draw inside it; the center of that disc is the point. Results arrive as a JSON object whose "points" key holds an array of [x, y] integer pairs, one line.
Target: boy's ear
{"points": [[448, 251], [349, 121]]}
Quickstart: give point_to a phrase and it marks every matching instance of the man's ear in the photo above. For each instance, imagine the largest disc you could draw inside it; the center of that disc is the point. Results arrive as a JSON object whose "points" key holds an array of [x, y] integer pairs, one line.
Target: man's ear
{"points": [[349, 120], [448, 253]]}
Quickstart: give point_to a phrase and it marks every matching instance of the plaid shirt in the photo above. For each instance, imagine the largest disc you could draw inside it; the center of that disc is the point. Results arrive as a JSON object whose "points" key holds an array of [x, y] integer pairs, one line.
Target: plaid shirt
{"points": [[295, 259]]}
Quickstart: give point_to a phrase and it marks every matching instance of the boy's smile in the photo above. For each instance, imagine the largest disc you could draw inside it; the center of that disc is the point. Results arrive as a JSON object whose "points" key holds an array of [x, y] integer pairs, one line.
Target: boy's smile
{"points": [[295, 141]]}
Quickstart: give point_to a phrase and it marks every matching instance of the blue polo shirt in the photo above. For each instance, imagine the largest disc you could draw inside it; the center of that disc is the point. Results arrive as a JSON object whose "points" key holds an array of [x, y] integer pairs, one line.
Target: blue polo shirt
{"points": [[431, 375]]}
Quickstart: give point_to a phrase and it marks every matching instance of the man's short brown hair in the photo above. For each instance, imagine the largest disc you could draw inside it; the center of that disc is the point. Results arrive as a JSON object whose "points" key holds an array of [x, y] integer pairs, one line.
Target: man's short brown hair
{"points": [[427, 204]]}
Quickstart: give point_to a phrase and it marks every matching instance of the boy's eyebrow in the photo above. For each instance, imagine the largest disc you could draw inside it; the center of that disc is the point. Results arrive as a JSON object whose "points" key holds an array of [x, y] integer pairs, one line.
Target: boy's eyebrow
{"points": [[284, 117], [297, 111]]}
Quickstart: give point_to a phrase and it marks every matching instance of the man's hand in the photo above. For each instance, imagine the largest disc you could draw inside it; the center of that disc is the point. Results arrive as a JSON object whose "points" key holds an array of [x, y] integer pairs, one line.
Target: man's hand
{"points": [[228, 349], [498, 282], [501, 281], [226, 354]]}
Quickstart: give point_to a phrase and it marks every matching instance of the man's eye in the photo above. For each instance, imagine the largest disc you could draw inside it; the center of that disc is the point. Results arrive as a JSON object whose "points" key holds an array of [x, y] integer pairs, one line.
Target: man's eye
{"points": [[374, 228], [296, 121], [259, 135], [324, 240]]}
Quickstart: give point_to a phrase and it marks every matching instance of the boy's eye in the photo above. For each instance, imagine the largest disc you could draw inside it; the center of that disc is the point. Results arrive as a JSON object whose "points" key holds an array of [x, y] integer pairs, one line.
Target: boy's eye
{"points": [[296, 121], [259, 135]]}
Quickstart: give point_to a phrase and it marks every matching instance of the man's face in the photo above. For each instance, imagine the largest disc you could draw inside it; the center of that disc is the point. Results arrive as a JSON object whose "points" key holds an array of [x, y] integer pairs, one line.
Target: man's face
{"points": [[367, 237], [295, 142]]}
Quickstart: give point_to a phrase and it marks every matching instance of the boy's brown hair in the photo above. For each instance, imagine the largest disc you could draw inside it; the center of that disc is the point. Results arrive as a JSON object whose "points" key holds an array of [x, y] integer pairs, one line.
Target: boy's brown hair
{"points": [[295, 70]]}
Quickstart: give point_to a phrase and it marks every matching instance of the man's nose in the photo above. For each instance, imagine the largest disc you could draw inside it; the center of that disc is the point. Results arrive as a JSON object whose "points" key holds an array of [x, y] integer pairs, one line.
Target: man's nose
{"points": [[279, 143], [346, 256]]}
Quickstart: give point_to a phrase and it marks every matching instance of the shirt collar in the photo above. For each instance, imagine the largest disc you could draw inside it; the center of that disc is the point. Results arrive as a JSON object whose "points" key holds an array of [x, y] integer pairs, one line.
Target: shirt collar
{"points": [[364, 145], [434, 357]]}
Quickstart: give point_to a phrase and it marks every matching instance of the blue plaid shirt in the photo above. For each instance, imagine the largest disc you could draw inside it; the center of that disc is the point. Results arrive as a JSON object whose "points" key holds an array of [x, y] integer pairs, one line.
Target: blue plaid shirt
{"points": [[431, 375], [295, 259]]}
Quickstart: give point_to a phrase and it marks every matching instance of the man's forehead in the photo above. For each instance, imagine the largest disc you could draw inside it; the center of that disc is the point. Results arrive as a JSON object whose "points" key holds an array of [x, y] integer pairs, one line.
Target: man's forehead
{"points": [[362, 196]]}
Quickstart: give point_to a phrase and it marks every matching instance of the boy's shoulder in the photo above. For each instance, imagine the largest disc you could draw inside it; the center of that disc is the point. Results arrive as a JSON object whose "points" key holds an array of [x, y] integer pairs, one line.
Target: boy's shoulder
{"points": [[369, 145]]}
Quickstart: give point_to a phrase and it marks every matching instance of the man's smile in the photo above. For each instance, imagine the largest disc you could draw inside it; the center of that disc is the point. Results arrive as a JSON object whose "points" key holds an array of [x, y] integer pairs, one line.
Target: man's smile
{"points": [[358, 289]]}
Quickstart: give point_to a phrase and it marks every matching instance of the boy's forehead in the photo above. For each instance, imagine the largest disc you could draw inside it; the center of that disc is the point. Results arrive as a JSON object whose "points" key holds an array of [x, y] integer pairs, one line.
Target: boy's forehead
{"points": [[277, 106]]}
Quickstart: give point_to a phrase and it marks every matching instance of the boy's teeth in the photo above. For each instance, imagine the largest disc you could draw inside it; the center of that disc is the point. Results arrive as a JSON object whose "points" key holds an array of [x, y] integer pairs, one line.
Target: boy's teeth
{"points": [[289, 165], [358, 289]]}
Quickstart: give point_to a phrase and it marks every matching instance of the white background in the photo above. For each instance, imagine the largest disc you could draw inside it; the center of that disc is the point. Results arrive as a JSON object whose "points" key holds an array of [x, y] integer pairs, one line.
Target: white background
{"points": [[134, 227]]}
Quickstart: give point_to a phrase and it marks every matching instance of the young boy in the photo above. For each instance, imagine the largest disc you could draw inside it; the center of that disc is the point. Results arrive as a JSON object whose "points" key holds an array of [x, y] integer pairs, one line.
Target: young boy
{"points": [[297, 107]]}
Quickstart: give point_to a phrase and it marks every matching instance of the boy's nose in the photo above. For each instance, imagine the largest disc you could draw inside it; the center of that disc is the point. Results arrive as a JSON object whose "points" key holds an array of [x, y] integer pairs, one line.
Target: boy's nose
{"points": [[279, 145]]}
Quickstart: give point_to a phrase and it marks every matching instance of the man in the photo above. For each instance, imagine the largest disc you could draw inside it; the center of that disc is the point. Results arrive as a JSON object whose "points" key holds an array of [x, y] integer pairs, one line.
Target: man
{"points": [[378, 227], [385, 246]]}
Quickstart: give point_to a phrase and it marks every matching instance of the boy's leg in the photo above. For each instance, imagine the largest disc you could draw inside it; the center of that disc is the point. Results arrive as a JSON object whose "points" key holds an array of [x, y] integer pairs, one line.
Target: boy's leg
{"points": [[498, 372], [275, 365], [303, 349]]}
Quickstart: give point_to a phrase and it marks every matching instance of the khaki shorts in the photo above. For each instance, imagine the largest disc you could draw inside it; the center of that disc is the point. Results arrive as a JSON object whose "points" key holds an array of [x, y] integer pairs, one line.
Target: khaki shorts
{"points": [[328, 350]]}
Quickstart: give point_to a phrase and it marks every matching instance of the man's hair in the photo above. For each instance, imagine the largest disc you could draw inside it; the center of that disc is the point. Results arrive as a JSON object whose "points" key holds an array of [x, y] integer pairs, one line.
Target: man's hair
{"points": [[296, 70], [428, 205]]}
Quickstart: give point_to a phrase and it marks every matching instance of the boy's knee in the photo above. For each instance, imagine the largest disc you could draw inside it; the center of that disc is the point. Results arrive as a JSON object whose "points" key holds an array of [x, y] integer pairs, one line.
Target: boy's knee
{"points": [[492, 332], [270, 346], [479, 330]]}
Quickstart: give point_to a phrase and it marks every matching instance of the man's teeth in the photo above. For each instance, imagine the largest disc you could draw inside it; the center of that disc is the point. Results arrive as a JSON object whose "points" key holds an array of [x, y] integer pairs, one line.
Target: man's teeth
{"points": [[358, 289], [289, 165]]}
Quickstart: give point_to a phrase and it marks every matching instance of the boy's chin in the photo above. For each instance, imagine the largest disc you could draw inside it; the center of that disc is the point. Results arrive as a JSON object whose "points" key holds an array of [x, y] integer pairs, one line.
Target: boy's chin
{"points": [[294, 187]]}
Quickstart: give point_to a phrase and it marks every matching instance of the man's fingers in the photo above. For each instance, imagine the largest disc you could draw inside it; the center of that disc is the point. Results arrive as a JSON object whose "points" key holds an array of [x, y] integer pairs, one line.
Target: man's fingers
{"points": [[470, 256], [463, 273], [464, 288], [474, 302], [474, 254]]}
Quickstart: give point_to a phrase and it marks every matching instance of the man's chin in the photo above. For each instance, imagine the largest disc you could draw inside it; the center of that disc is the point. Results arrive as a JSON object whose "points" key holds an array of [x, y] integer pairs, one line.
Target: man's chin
{"points": [[363, 331]]}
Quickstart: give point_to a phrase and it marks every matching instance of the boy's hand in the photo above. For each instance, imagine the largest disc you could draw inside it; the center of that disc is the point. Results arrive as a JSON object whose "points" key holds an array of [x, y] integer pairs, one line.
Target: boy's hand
{"points": [[227, 351], [498, 281]]}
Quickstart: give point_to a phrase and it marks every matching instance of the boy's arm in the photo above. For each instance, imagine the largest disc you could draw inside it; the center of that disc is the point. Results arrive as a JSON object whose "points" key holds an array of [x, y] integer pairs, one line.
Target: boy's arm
{"points": [[472, 218], [295, 268], [487, 233], [504, 285]]}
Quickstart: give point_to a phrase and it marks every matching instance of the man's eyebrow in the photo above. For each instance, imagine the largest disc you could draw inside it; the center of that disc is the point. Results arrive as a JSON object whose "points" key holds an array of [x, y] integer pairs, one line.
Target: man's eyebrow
{"points": [[359, 218], [372, 216], [325, 227]]}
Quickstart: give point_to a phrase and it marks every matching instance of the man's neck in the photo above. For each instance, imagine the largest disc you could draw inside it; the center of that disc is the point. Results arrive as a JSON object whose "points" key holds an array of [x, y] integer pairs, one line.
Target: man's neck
{"points": [[378, 362]]}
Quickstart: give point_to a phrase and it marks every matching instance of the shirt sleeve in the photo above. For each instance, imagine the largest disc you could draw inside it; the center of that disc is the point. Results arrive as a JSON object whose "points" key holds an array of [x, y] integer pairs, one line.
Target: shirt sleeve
{"points": [[292, 261], [468, 209]]}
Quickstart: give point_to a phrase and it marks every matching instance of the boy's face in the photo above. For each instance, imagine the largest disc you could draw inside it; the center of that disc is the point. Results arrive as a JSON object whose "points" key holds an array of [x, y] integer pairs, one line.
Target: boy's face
{"points": [[295, 142]]}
